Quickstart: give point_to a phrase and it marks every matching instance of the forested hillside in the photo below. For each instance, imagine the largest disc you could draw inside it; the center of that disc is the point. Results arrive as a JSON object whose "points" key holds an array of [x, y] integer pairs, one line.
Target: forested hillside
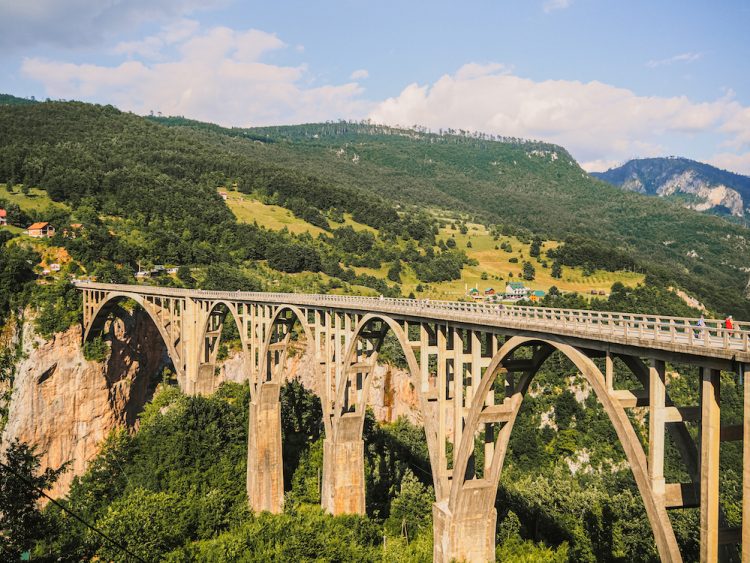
{"points": [[523, 186]]}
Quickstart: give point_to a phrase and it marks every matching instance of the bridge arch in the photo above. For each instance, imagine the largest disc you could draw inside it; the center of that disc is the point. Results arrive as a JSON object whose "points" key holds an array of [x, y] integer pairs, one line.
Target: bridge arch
{"points": [[276, 340], [347, 423], [463, 495], [211, 325], [115, 299]]}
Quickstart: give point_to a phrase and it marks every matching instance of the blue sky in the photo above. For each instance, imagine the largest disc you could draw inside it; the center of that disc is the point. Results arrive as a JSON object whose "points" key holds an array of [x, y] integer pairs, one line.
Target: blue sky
{"points": [[608, 80]]}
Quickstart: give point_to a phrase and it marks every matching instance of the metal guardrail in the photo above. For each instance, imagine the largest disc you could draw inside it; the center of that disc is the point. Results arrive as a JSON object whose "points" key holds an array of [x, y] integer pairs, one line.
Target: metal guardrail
{"points": [[598, 325]]}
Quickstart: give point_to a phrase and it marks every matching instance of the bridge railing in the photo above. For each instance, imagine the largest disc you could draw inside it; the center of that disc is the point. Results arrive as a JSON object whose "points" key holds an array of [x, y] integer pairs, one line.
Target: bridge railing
{"points": [[601, 324]]}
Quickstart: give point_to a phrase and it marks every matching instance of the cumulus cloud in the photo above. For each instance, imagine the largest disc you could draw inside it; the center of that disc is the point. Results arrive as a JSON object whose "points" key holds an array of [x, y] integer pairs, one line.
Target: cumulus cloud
{"points": [[553, 5], [730, 161], [359, 74], [77, 23], [681, 58], [214, 75], [599, 123]]}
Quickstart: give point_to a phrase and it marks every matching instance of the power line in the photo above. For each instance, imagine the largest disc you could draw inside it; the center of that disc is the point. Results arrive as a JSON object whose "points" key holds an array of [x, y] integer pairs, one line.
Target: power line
{"points": [[73, 514]]}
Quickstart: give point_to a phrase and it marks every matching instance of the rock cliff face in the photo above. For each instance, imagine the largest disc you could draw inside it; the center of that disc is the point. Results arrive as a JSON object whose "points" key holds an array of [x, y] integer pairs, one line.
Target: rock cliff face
{"points": [[65, 405], [391, 393], [696, 185]]}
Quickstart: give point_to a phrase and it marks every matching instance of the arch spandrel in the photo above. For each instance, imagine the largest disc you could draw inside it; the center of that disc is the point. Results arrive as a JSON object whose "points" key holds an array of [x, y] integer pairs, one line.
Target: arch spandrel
{"points": [[104, 307], [655, 510], [414, 371], [273, 322]]}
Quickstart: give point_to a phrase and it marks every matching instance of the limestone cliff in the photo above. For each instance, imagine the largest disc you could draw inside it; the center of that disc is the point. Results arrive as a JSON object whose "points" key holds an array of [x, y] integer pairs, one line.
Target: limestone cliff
{"points": [[65, 405], [391, 393]]}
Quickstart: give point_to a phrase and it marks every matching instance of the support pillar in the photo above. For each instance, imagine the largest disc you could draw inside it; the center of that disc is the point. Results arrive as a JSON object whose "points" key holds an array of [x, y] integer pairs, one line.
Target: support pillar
{"points": [[344, 469], [466, 537], [656, 426], [265, 469], [710, 437]]}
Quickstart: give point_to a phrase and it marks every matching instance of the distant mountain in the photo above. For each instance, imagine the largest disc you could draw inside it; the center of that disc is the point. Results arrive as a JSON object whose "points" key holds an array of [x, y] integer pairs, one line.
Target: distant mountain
{"points": [[696, 185]]}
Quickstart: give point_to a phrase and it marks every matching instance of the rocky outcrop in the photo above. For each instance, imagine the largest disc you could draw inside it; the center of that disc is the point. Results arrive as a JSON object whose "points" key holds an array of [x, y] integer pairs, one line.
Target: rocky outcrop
{"points": [[391, 393], [65, 405]]}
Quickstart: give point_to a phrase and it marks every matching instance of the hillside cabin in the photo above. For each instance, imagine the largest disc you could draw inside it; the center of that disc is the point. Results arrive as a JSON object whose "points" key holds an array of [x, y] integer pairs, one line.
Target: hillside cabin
{"points": [[516, 290], [489, 291], [3, 217], [536, 295], [41, 230], [224, 195]]}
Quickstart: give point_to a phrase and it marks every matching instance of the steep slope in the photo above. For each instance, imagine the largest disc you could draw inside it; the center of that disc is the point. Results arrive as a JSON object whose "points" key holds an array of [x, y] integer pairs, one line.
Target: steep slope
{"points": [[696, 185], [155, 180], [527, 186]]}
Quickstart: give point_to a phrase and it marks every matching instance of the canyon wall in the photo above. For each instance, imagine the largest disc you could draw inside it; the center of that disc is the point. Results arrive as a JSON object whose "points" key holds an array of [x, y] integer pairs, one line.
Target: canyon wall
{"points": [[65, 405]]}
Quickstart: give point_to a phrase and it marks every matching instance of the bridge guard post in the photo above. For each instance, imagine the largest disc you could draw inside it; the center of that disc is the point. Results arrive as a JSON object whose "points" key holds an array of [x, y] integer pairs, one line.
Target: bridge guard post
{"points": [[344, 468], [465, 536], [265, 470]]}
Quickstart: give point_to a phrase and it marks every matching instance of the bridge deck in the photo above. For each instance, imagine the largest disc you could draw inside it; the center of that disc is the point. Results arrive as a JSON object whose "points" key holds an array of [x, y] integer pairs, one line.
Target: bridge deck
{"points": [[678, 335]]}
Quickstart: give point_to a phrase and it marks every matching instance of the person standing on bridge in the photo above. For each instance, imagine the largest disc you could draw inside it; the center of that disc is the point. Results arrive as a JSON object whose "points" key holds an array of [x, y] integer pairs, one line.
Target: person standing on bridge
{"points": [[700, 325], [729, 324]]}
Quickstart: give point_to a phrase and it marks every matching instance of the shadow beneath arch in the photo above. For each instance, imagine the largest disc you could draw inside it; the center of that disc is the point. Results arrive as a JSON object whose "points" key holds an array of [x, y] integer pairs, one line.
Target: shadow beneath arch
{"points": [[137, 361]]}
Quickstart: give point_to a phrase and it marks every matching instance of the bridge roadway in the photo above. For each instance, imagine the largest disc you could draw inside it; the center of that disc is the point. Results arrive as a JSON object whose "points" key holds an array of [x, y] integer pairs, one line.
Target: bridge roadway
{"points": [[471, 365]]}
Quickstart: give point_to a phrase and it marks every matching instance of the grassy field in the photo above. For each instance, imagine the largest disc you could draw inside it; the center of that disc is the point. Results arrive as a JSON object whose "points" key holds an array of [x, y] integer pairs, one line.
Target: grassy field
{"points": [[248, 209], [36, 200], [496, 264]]}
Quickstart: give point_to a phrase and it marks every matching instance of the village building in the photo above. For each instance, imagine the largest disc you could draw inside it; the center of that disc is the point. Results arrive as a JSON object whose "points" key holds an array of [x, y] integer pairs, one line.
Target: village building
{"points": [[224, 195], [537, 295], [3, 217], [41, 230], [516, 290]]}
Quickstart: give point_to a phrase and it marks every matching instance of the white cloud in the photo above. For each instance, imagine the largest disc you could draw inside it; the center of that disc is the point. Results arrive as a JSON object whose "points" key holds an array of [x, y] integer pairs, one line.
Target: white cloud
{"points": [[214, 75], [681, 58], [359, 74], [553, 5], [75, 23], [600, 124], [739, 163]]}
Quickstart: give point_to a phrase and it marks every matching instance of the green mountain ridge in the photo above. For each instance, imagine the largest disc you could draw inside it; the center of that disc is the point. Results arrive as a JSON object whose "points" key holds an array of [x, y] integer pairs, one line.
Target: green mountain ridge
{"points": [[128, 166]]}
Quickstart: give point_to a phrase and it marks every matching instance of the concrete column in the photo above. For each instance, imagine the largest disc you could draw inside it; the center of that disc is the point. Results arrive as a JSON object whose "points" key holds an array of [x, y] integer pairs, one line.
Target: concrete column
{"points": [[656, 427], [265, 469], [709, 491], [466, 537], [190, 317], [344, 469]]}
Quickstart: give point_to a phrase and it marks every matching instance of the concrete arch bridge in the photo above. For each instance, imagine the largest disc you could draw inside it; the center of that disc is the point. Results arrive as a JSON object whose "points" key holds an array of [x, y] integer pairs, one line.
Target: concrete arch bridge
{"points": [[471, 365]]}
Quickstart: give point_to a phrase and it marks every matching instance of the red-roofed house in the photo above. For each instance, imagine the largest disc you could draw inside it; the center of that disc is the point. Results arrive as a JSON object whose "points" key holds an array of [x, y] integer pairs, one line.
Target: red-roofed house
{"points": [[41, 230], [3, 217]]}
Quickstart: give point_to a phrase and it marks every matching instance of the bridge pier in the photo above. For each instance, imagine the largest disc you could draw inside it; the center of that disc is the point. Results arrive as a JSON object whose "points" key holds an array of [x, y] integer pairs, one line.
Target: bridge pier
{"points": [[344, 469], [265, 469], [462, 536]]}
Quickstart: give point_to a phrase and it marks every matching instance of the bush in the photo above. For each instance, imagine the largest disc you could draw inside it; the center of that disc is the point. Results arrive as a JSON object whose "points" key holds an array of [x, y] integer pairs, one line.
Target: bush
{"points": [[95, 350]]}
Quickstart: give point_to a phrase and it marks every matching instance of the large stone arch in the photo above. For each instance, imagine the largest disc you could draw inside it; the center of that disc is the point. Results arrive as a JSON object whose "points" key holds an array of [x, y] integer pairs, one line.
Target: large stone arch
{"points": [[112, 301], [344, 447], [471, 496], [273, 324], [265, 464], [209, 331]]}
